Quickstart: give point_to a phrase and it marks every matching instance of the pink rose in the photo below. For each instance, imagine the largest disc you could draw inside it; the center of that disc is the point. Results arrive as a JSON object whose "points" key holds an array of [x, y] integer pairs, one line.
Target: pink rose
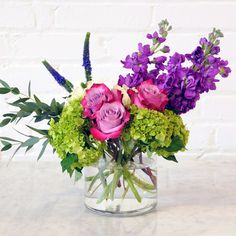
{"points": [[110, 121], [94, 99], [149, 96]]}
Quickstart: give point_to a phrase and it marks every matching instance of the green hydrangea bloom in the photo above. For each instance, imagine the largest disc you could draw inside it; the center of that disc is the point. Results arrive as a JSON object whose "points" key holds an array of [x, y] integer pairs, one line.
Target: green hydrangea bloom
{"points": [[70, 135], [161, 133]]}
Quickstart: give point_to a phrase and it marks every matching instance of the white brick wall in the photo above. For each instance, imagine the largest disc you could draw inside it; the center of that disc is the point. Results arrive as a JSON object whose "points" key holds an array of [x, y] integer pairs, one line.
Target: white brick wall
{"points": [[32, 30]]}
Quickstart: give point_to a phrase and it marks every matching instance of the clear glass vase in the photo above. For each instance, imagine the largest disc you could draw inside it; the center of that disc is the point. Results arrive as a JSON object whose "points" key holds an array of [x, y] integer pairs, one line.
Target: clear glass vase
{"points": [[122, 190]]}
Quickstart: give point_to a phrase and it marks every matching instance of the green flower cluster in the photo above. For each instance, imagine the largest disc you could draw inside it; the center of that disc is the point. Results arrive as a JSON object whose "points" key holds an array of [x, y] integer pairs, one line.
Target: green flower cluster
{"points": [[71, 135], [157, 132]]}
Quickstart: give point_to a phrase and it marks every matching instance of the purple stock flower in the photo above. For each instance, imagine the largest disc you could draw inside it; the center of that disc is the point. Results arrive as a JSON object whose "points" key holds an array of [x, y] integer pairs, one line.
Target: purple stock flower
{"points": [[156, 37], [137, 62], [197, 56], [130, 80], [175, 62], [223, 69], [144, 50], [182, 84]]}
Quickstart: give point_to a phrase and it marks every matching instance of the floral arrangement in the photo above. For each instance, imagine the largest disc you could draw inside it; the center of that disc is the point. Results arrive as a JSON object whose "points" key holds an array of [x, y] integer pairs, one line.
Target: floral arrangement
{"points": [[140, 114]]}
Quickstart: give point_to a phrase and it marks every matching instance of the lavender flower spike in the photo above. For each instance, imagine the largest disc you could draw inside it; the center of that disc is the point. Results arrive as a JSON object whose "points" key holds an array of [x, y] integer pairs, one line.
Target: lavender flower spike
{"points": [[86, 58], [59, 78]]}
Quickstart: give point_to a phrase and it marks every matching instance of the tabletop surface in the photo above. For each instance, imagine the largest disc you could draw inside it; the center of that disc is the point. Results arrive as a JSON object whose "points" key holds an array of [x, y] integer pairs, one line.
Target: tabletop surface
{"points": [[194, 198]]}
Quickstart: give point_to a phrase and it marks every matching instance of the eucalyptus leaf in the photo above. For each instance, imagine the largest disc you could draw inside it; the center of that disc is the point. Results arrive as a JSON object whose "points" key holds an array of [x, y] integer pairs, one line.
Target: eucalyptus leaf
{"points": [[21, 100], [4, 84], [10, 139], [31, 141], [42, 105], [23, 113], [5, 143], [18, 148], [40, 131], [6, 147], [43, 149], [28, 148], [5, 122], [15, 91], [9, 115], [4, 90]]}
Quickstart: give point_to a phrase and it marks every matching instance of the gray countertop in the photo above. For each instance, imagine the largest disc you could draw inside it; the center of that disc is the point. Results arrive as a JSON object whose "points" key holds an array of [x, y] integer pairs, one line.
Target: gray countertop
{"points": [[195, 198]]}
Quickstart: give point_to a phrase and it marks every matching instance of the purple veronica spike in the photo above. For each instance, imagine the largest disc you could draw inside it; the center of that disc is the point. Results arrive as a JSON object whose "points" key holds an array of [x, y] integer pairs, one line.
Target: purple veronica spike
{"points": [[59, 78]]}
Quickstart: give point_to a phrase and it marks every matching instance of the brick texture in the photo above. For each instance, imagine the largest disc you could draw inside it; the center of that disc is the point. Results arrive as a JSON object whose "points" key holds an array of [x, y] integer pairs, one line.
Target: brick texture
{"points": [[32, 30]]}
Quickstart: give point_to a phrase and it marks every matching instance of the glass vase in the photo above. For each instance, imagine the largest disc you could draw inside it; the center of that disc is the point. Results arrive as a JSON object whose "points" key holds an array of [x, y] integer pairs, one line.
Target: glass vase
{"points": [[122, 190]]}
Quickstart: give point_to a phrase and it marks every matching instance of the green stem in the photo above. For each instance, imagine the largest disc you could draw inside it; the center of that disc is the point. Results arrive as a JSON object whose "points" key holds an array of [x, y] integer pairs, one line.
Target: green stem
{"points": [[128, 178], [105, 194], [142, 184], [117, 174], [93, 180]]}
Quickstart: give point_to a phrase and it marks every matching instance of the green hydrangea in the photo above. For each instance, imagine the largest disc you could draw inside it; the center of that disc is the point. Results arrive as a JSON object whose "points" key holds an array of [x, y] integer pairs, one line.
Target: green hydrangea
{"points": [[161, 133], [70, 135]]}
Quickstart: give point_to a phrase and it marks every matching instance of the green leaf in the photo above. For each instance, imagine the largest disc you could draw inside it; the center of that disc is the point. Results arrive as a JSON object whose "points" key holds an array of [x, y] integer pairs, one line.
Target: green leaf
{"points": [[18, 148], [40, 131], [41, 117], [6, 147], [53, 106], [41, 105], [4, 90], [43, 149], [28, 106], [176, 145], [23, 113], [28, 148], [171, 158], [5, 122], [21, 100], [29, 89], [9, 115], [4, 84], [15, 91], [68, 161], [10, 139], [22, 133], [5, 143], [30, 142]]}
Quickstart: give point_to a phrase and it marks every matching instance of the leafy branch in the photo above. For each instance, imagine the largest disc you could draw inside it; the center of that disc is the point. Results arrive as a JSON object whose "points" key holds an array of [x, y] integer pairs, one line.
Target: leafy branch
{"points": [[28, 105]]}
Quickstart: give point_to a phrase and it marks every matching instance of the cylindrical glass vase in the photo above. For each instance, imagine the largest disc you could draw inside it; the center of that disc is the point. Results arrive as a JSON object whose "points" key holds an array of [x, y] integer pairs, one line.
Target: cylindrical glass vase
{"points": [[122, 190]]}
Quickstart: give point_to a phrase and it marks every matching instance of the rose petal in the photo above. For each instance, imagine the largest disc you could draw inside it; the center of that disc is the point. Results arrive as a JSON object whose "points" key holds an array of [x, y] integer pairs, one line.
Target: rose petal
{"points": [[97, 134]]}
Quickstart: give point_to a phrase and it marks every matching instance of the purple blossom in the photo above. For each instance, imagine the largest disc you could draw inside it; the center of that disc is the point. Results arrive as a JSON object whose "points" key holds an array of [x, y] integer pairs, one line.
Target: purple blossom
{"points": [[183, 84], [130, 80], [196, 57], [175, 62], [155, 36]]}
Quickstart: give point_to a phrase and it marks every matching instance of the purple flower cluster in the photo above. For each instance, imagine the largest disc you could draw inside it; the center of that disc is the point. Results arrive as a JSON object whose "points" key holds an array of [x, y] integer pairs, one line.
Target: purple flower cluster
{"points": [[139, 61], [183, 84]]}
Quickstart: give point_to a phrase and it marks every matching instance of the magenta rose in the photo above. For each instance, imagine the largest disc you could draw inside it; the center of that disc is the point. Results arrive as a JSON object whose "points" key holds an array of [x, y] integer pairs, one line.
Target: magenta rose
{"points": [[94, 99], [110, 121], [149, 96]]}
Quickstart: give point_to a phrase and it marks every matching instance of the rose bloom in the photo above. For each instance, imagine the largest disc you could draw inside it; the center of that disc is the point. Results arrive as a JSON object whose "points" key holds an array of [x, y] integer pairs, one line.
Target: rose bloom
{"points": [[94, 99], [149, 96], [110, 121]]}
